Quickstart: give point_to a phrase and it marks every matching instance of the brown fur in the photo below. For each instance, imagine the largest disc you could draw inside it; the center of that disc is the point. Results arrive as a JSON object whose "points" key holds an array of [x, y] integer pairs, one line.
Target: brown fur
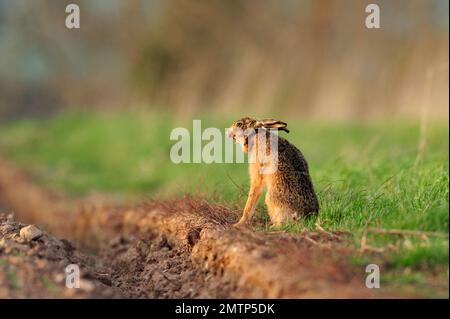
{"points": [[290, 192]]}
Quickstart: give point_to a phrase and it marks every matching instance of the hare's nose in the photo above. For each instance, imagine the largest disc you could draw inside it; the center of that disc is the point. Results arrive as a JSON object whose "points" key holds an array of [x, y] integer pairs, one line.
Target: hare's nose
{"points": [[229, 132]]}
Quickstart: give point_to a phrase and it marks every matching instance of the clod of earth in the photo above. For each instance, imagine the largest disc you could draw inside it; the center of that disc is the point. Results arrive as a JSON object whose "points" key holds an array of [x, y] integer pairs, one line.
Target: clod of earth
{"points": [[30, 232]]}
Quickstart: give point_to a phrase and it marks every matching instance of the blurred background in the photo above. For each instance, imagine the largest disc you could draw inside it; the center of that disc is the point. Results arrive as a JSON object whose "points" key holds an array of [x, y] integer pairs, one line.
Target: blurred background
{"points": [[89, 111], [312, 59]]}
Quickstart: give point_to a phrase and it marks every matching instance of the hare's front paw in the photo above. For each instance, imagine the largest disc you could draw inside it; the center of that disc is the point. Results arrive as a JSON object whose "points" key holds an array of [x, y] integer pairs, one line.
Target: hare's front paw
{"points": [[241, 224]]}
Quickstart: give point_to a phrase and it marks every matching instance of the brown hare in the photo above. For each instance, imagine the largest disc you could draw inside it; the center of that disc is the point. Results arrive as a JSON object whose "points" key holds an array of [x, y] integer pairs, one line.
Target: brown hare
{"points": [[277, 165]]}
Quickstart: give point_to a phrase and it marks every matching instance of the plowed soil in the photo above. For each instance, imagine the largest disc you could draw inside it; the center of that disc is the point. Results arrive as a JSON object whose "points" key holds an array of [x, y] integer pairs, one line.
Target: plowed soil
{"points": [[125, 267]]}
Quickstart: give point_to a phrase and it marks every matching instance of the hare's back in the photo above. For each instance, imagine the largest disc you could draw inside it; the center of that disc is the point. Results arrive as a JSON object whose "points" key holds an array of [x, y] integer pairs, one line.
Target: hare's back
{"points": [[290, 158], [294, 184]]}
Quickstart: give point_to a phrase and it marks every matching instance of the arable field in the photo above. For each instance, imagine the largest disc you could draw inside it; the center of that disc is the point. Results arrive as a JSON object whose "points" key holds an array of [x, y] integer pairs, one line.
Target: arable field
{"points": [[370, 177]]}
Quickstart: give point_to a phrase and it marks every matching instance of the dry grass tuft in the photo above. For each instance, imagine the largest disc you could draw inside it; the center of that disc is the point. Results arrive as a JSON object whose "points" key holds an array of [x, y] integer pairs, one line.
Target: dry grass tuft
{"points": [[187, 204]]}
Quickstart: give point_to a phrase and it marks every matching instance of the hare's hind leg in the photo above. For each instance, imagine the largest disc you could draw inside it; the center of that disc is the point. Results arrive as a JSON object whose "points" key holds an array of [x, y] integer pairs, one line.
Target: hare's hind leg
{"points": [[279, 215]]}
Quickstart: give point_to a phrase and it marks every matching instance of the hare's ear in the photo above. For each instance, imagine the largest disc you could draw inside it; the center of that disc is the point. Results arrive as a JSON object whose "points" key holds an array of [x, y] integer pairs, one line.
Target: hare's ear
{"points": [[274, 124]]}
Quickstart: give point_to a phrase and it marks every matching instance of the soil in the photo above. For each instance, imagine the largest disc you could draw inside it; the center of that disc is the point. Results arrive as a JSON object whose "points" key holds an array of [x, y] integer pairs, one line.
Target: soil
{"points": [[125, 267], [36, 268]]}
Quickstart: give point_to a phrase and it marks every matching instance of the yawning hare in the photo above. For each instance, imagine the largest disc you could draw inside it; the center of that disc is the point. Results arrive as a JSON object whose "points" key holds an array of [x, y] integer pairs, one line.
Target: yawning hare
{"points": [[279, 166]]}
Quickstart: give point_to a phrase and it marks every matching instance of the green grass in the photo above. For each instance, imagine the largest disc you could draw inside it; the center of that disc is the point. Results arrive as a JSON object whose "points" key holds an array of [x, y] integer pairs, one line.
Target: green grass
{"points": [[366, 174], [422, 257], [49, 284]]}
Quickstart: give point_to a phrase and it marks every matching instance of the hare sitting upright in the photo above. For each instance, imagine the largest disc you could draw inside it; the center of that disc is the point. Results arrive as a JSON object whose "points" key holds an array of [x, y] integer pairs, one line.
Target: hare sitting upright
{"points": [[279, 166]]}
